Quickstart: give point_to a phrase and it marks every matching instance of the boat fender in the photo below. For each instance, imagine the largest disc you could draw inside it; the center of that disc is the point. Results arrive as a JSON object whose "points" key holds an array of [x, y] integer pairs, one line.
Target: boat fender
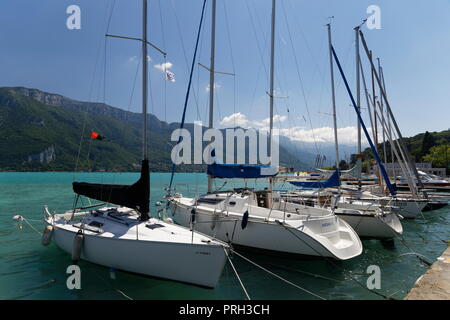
{"points": [[193, 216], [47, 235], [168, 220], [244, 220], [77, 245]]}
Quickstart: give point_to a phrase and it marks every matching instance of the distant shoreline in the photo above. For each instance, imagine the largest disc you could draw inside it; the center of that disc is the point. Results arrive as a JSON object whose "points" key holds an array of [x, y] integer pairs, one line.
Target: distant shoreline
{"points": [[98, 172]]}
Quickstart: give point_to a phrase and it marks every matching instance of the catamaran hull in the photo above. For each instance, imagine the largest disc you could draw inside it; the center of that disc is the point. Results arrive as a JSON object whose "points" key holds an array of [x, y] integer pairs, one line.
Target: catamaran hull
{"points": [[190, 263], [270, 236]]}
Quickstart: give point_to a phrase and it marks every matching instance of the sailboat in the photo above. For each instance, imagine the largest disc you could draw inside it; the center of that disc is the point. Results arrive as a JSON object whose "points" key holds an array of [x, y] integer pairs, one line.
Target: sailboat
{"points": [[369, 220], [409, 206], [125, 237], [260, 219]]}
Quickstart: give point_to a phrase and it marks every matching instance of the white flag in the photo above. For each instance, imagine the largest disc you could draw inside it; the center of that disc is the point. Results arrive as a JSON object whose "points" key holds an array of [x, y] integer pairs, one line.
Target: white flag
{"points": [[170, 76]]}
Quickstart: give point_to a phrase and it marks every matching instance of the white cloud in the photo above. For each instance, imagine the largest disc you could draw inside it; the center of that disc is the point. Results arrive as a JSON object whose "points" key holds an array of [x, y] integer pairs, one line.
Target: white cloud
{"points": [[346, 135], [235, 120], [240, 120], [264, 124], [216, 86], [135, 58], [163, 66]]}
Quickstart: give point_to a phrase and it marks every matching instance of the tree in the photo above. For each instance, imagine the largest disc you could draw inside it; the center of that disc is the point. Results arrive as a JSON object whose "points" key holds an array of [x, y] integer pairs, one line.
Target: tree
{"points": [[428, 142], [343, 165], [439, 156]]}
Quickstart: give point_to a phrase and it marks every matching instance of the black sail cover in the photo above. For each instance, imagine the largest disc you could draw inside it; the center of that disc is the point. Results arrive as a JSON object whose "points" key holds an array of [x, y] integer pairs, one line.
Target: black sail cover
{"points": [[135, 196]]}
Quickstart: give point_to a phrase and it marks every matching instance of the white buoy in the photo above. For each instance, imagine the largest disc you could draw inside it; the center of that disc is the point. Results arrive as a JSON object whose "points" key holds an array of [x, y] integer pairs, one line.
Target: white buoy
{"points": [[158, 204], [18, 217], [77, 245], [47, 235]]}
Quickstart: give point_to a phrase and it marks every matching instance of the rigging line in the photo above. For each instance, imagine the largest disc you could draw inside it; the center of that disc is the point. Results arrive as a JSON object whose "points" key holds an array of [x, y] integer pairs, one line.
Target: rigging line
{"points": [[165, 58], [237, 275], [314, 275], [321, 72], [252, 104], [200, 88], [347, 273], [277, 276], [184, 48], [257, 39], [366, 92], [300, 77], [232, 57], [104, 71], [91, 90], [189, 87], [229, 36], [134, 87]]}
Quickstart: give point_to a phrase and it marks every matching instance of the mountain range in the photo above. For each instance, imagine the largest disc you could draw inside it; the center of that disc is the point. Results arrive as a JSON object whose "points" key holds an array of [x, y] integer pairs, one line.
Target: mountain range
{"points": [[49, 132]]}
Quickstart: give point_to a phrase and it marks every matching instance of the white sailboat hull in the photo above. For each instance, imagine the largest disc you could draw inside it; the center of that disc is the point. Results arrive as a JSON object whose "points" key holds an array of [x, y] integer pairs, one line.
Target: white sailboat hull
{"points": [[371, 225], [338, 242], [408, 208], [199, 264]]}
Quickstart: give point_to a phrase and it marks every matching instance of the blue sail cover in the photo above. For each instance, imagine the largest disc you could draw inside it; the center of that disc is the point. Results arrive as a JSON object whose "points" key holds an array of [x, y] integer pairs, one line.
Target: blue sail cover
{"points": [[332, 182], [230, 171]]}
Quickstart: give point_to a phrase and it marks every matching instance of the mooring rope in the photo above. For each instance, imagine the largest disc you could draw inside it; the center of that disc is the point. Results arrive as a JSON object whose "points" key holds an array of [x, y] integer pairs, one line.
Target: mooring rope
{"points": [[237, 275], [277, 276], [347, 273]]}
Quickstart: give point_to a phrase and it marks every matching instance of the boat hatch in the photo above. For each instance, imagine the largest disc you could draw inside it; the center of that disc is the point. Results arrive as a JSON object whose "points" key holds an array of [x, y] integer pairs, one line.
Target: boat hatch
{"points": [[88, 227], [95, 224], [213, 201], [154, 226]]}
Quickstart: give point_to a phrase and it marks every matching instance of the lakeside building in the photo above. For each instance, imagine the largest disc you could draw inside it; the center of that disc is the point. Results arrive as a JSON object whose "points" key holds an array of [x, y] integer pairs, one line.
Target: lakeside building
{"points": [[427, 167]]}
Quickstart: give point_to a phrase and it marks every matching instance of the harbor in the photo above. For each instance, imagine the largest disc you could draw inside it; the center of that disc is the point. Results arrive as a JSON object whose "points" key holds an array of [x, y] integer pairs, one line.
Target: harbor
{"points": [[219, 150], [23, 250]]}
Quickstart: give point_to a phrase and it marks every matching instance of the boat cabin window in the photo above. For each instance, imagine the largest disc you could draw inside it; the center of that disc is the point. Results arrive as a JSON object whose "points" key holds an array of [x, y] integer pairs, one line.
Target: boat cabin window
{"points": [[95, 224], [263, 199], [213, 201]]}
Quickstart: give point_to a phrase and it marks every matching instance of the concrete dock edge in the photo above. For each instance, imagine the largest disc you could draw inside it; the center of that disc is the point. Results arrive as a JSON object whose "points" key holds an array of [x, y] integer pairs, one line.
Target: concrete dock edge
{"points": [[435, 283]]}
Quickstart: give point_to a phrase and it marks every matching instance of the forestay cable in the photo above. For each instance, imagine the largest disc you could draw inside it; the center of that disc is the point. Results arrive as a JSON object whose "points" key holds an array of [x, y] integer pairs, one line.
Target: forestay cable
{"points": [[189, 87]]}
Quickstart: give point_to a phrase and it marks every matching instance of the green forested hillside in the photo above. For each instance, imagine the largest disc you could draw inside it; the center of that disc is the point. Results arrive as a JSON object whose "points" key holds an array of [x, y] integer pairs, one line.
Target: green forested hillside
{"points": [[42, 132], [424, 147], [28, 128]]}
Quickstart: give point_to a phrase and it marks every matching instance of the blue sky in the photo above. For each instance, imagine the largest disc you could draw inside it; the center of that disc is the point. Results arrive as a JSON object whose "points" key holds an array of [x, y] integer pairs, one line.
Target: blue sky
{"points": [[38, 51]]}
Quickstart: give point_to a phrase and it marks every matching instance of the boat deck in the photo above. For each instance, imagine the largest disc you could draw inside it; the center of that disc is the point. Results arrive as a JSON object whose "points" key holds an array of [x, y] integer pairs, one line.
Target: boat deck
{"points": [[435, 283]]}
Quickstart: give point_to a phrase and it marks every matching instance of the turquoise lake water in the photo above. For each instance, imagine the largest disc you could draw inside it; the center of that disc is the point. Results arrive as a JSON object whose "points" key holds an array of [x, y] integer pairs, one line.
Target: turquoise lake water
{"points": [[29, 270]]}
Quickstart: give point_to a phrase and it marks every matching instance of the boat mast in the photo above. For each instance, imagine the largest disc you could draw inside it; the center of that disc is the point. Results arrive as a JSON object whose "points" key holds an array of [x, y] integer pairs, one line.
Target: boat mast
{"points": [[333, 96], [388, 119], [211, 77], [358, 99], [272, 76], [382, 113], [144, 79], [374, 104]]}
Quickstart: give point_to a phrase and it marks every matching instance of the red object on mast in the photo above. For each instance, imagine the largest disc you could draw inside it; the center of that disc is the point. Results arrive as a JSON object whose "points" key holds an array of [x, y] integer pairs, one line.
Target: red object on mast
{"points": [[96, 135]]}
